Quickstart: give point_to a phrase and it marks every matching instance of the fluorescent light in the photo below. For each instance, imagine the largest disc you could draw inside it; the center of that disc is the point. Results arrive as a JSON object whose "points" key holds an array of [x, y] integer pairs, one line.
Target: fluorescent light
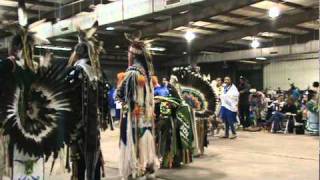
{"points": [[249, 62], [57, 48], [274, 12], [261, 58], [110, 28], [183, 12], [156, 49], [189, 36], [255, 43]]}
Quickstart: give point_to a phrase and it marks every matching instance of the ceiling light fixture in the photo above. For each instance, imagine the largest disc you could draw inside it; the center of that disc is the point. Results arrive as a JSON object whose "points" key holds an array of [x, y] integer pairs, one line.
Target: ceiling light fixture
{"points": [[56, 48], [117, 46], [255, 43], [184, 12], [184, 53], [248, 62], [161, 49], [189, 36], [110, 28], [261, 58], [274, 12]]}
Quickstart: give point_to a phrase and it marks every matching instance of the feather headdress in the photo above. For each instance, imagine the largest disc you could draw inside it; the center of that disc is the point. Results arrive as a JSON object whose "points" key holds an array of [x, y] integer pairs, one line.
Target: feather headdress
{"points": [[196, 90], [25, 39], [138, 47], [90, 47]]}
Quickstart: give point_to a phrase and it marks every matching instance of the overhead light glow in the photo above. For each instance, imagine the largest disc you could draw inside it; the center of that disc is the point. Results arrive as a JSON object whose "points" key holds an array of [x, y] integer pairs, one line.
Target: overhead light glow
{"points": [[261, 58], [110, 28], [248, 62], [274, 12], [56, 48], [161, 49], [117, 46], [189, 36], [255, 43], [184, 52], [183, 12]]}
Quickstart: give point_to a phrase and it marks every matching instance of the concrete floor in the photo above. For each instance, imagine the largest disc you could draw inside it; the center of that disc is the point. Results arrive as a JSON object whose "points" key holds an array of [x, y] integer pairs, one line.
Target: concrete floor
{"points": [[254, 156], [251, 156]]}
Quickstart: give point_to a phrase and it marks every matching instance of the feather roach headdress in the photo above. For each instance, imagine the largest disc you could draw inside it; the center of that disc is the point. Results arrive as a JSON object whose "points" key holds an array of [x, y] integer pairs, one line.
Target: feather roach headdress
{"points": [[88, 47], [137, 48], [196, 90], [24, 40]]}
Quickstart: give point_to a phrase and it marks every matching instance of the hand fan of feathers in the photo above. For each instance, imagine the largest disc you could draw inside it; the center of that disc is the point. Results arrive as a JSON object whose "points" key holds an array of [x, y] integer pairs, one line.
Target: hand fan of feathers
{"points": [[35, 118], [196, 91]]}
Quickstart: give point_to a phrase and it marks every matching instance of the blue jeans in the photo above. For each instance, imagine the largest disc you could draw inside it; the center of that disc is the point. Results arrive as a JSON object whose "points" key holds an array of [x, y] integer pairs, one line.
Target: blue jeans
{"points": [[229, 126], [276, 119]]}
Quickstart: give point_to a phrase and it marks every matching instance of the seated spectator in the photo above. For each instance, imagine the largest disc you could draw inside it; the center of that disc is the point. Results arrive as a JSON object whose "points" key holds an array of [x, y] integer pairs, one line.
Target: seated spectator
{"points": [[280, 113], [279, 91], [313, 114], [303, 106]]}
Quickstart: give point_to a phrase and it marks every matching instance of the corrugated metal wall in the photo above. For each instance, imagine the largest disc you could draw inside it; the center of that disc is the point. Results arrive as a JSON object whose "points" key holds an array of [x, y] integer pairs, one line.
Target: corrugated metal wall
{"points": [[301, 72]]}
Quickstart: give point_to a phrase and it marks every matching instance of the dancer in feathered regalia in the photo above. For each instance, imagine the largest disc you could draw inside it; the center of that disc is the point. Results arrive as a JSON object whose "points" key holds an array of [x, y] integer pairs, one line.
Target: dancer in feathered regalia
{"points": [[33, 105], [135, 91], [197, 92], [88, 89], [174, 131]]}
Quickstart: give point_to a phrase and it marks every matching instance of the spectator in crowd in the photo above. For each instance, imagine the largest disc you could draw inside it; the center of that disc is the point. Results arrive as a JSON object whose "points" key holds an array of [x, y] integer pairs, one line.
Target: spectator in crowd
{"points": [[244, 90], [218, 90], [303, 106], [279, 91], [316, 89], [280, 113], [112, 101], [294, 92], [258, 105], [313, 114], [162, 90], [315, 86], [229, 107], [218, 87]]}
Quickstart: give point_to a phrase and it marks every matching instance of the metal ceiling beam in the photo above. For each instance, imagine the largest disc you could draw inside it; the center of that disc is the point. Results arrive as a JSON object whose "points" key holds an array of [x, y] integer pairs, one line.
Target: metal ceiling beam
{"points": [[68, 10], [291, 4], [216, 21], [40, 2], [283, 21], [259, 20], [215, 7], [270, 52], [294, 39], [11, 8], [225, 30]]}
